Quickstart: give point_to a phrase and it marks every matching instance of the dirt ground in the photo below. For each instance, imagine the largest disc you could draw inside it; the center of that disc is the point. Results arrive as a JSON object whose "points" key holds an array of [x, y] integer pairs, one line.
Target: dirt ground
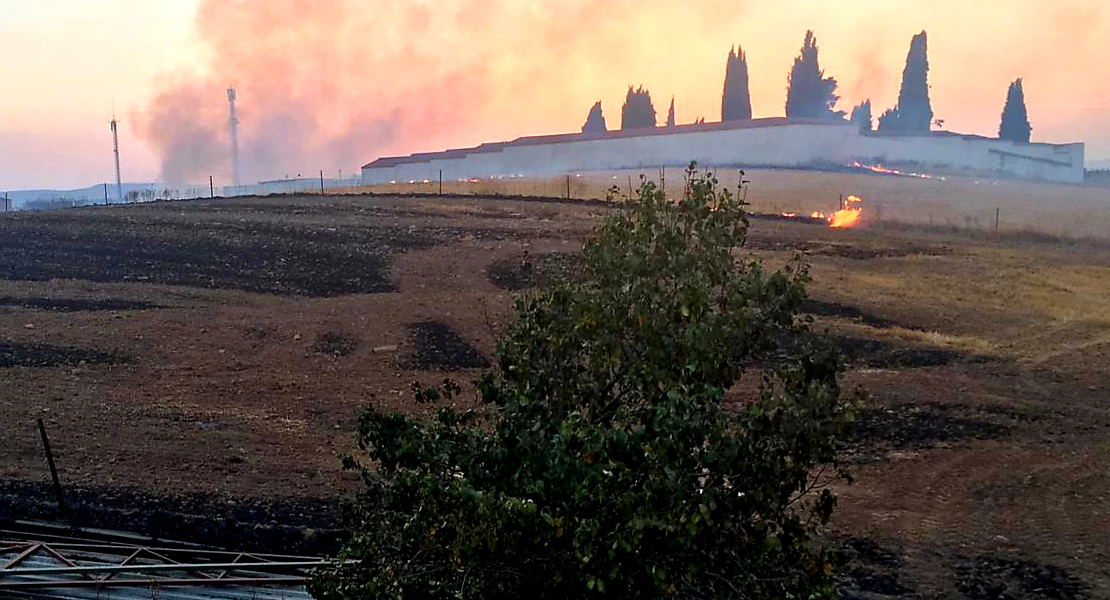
{"points": [[200, 366]]}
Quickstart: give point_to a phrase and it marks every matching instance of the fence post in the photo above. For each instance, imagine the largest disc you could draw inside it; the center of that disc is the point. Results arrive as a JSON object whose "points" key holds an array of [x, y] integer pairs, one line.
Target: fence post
{"points": [[997, 218], [62, 508], [211, 187], [321, 182], [441, 182], [105, 194]]}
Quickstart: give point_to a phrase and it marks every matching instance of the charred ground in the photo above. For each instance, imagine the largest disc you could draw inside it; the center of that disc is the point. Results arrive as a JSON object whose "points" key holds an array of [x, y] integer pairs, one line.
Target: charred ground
{"points": [[200, 367]]}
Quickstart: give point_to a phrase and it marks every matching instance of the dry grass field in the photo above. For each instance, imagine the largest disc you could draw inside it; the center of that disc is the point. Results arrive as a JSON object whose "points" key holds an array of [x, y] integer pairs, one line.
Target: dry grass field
{"points": [[945, 202], [199, 366]]}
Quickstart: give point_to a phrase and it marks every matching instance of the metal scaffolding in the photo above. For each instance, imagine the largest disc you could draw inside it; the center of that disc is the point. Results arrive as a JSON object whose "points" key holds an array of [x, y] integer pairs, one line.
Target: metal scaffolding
{"points": [[83, 570]]}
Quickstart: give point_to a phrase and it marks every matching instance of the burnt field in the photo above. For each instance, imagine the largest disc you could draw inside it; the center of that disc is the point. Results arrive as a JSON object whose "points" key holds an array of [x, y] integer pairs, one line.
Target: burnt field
{"points": [[200, 367]]}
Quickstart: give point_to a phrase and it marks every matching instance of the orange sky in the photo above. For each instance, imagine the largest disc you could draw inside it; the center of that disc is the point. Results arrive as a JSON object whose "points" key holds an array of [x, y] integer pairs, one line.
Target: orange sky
{"points": [[331, 85]]}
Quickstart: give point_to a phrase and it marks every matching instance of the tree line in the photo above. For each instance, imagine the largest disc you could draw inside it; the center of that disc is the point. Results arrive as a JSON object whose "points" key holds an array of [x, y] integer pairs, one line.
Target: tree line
{"points": [[813, 94]]}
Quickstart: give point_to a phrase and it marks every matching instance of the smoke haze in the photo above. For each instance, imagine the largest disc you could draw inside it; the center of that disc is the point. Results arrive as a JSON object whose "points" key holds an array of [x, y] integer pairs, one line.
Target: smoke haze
{"points": [[329, 85], [322, 84]]}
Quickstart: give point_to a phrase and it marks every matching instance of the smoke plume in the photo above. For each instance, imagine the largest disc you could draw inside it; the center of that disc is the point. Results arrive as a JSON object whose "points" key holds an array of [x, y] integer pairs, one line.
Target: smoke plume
{"points": [[330, 84]]}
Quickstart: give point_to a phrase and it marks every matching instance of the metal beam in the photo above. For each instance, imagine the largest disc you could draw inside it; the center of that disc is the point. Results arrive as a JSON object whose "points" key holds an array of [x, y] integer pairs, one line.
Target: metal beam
{"points": [[6, 573], [152, 583], [22, 555], [68, 543]]}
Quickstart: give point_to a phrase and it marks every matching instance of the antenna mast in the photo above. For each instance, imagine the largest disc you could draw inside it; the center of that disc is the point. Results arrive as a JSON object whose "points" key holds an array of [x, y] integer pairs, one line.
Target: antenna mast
{"points": [[233, 124], [115, 148]]}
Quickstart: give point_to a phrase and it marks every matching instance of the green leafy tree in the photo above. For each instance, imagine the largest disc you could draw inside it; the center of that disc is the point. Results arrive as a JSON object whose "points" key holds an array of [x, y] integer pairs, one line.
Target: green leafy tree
{"points": [[595, 121], [861, 116], [810, 93], [607, 458], [736, 102], [638, 111], [914, 111], [1015, 118]]}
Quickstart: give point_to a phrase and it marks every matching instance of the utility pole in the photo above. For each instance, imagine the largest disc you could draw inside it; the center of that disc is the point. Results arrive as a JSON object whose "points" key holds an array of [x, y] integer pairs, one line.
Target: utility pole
{"points": [[105, 194]]}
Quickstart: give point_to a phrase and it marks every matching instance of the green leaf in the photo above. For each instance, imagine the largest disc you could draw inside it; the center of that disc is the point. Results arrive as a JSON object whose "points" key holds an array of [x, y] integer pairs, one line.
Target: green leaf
{"points": [[604, 458]]}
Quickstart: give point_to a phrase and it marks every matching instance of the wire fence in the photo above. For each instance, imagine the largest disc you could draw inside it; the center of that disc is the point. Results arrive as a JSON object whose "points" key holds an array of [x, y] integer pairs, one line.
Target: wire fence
{"points": [[971, 205], [595, 185], [952, 203]]}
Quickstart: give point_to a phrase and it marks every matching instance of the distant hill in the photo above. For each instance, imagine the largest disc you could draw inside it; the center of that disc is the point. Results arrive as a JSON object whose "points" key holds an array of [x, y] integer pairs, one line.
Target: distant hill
{"points": [[78, 197], [146, 192]]}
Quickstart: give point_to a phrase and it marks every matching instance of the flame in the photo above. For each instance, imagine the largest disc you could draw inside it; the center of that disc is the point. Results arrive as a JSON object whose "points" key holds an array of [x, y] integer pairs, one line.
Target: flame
{"points": [[848, 215], [881, 170], [843, 219]]}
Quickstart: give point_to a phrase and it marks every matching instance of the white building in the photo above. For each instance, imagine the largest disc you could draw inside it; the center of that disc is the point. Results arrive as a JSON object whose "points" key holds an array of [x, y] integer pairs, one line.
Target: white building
{"points": [[772, 142]]}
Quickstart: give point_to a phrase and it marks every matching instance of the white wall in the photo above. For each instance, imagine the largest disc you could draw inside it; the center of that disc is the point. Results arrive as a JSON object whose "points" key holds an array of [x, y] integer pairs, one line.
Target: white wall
{"points": [[1060, 163], [782, 144]]}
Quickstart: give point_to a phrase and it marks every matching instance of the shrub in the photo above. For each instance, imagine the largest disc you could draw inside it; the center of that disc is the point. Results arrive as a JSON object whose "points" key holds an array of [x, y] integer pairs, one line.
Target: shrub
{"points": [[606, 458]]}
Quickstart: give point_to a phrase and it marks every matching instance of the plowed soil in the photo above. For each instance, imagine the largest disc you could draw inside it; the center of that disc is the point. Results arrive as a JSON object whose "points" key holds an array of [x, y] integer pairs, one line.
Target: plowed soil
{"points": [[200, 367]]}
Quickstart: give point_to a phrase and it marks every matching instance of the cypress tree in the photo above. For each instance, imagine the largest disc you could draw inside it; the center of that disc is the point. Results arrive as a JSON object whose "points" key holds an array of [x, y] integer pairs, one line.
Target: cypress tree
{"points": [[595, 122], [638, 111], [671, 124], [888, 121], [861, 116], [914, 111], [736, 102], [810, 93], [1015, 118]]}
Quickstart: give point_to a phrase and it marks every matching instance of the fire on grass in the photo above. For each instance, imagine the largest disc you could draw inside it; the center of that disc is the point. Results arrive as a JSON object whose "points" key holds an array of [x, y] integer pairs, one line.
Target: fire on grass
{"points": [[848, 216], [881, 170]]}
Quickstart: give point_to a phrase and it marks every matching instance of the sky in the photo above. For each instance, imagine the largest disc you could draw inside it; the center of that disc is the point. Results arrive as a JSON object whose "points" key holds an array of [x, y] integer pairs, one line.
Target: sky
{"points": [[333, 85]]}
